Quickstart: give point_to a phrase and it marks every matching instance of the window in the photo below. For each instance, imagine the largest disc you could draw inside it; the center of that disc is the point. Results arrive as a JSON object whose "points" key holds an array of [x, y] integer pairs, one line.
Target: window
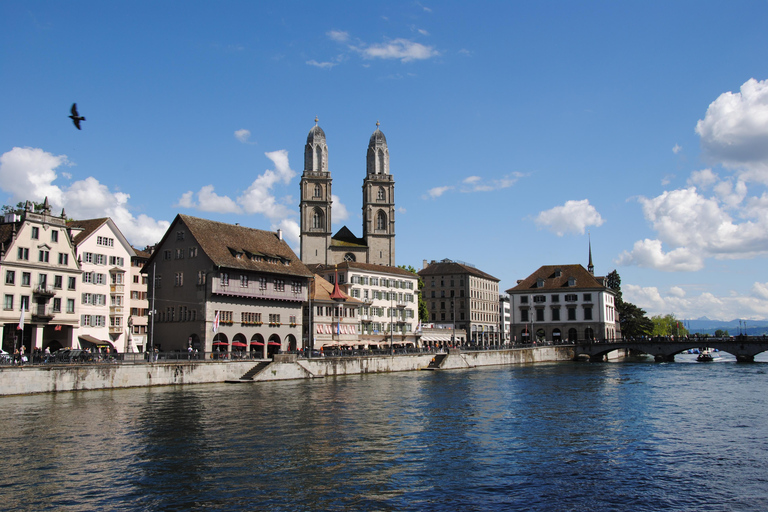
{"points": [[381, 221], [179, 235], [179, 279], [158, 282], [523, 315], [42, 281], [63, 259], [179, 254], [539, 298], [587, 313], [556, 315], [23, 253], [70, 305], [523, 299], [136, 279], [87, 257], [57, 305], [539, 315], [116, 260], [571, 297], [201, 277], [26, 278], [262, 284], [71, 283], [555, 298], [318, 190], [10, 277], [296, 287], [225, 317], [224, 277], [167, 255], [317, 219], [587, 297], [54, 236], [244, 281], [35, 232], [279, 285], [100, 259], [105, 241], [380, 194], [250, 318], [571, 314], [274, 319], [8, 304], [25, 302], [193, 252]]}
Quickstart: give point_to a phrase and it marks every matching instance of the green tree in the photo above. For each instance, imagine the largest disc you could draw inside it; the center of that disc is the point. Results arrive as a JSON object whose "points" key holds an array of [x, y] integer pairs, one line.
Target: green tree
{"points": [[719, 333], [36, 207], [423, 312], [668, 325], [632, 319]]}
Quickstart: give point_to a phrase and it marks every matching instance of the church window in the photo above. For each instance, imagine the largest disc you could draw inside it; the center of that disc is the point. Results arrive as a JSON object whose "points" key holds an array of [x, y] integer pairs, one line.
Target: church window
{"points": [[381, 221], [349, 257], [318, 158], [318, 191], [380, 194], [317, 219]]}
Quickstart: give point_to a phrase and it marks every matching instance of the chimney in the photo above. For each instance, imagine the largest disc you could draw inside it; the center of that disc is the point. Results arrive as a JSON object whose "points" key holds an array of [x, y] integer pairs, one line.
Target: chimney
{"points": [[279, 234], [424, 264]]}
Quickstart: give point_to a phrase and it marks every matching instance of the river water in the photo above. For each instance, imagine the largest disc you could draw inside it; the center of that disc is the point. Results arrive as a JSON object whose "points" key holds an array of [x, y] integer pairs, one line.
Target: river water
{"points": [[629, 436]]}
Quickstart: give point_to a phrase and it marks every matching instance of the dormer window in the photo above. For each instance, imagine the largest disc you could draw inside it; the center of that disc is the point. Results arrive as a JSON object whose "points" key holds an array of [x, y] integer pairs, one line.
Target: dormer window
{"points": [[571, 281], [539, 283], [558, 272]]}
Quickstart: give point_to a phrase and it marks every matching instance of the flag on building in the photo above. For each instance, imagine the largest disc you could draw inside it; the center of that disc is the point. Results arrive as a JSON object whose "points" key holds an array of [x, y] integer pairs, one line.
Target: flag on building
{"points": [[21, 320], [418, 326], [216, 322]]}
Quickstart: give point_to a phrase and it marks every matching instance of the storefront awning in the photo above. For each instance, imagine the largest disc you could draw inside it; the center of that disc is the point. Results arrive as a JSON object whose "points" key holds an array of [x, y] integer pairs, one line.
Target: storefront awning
{"points": [[87, 338]]}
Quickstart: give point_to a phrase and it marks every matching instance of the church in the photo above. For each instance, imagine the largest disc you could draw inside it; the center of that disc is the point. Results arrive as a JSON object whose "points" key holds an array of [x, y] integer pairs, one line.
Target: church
{"points": [[318, 244]]}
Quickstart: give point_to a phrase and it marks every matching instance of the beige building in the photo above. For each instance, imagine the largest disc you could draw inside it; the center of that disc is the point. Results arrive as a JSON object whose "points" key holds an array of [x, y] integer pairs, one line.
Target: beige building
{"points": [[226, 287], [138, 321], [318, 244], [40, 282], [388, 315], [331, 319], [104, 256], [460, 295]]}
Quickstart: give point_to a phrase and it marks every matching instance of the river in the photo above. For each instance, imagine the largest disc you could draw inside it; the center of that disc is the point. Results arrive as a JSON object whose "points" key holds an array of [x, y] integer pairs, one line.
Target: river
{"points": [[629, 436]]}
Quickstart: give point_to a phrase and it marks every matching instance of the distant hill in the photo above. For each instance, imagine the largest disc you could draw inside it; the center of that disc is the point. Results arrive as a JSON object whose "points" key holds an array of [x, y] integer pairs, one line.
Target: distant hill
{"points": [[706, 326]]}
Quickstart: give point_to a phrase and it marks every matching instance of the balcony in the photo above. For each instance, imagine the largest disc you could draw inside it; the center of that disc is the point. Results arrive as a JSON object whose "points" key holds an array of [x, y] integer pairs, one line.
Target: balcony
{"points": [[116, 310], [42, 313], [44, 291], [117, 288], [115, 329]]}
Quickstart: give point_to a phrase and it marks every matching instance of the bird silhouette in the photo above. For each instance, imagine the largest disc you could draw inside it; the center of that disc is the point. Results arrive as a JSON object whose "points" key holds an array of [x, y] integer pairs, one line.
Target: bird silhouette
{"points": [[75, 117]]}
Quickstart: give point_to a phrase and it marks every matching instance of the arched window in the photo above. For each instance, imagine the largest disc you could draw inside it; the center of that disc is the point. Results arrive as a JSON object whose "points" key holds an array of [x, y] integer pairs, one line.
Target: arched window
{"points": [[317, 219], [381, 220], [318, 190], [318, 158], [380, 194], [381, 168], [349, 257]]}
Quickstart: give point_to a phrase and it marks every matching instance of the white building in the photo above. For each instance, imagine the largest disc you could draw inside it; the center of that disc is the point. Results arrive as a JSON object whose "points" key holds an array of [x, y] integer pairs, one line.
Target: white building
{"points": [[105, 258], [40, 280], [138, 322], [563, 302], [505, 317], [388, 315]]}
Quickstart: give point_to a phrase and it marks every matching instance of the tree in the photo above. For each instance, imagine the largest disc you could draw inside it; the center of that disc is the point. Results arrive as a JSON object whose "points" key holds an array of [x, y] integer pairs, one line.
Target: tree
{"points": [[719, 333], [632, 319], [36, 207], [668, 325], [423, 312]]}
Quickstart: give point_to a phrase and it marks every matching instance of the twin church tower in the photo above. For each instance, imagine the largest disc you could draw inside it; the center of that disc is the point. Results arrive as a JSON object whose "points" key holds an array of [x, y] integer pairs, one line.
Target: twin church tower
{"points": [[318, 245]]}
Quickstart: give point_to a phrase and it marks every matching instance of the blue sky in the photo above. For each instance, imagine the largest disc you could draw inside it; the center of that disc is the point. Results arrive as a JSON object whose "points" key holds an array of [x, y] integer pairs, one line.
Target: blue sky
{"points": [[515, 129]]}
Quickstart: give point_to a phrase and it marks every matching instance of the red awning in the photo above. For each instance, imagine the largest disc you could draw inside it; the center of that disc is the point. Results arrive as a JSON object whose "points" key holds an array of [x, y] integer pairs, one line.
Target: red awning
{"points": [[257, 343], [220, 343], [274, 344], [238, 344]]}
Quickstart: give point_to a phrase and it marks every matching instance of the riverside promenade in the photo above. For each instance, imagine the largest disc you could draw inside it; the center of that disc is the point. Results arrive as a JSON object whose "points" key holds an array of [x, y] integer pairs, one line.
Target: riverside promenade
{"points": [[74, 376]]}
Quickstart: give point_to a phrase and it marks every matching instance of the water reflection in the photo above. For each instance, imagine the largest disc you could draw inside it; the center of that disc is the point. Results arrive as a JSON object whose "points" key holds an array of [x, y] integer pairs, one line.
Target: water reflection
{"points": [[545, 437]]}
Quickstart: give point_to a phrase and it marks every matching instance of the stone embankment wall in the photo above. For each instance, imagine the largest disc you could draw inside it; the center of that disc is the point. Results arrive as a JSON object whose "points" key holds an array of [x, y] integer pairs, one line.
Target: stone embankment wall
{"points": [[48, 379]]}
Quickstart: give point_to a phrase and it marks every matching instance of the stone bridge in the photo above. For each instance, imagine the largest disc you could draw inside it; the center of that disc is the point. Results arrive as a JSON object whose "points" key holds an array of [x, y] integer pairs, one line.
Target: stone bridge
{"points": [[745, 348]]}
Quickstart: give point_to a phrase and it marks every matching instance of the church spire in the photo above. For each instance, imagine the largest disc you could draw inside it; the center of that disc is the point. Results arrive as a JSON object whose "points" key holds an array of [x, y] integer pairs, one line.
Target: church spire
{"points": [[590, 267]]}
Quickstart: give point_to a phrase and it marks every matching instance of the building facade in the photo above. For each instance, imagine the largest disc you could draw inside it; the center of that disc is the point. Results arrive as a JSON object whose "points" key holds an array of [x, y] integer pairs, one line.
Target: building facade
{"points": [[505, 318], [225, 287], [318, 245], [460, 296], [105, 259], [388, 313], [40, 282], [138, 321], [563, 303], [331, 318]]}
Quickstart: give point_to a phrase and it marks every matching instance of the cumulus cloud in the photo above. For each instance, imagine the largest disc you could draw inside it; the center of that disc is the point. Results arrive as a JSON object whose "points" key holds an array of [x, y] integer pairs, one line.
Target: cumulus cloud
{"points": [[703, 179], [243, 135], [695, 227], [339, 210], [401, 49], [572, 217], [734, 131], [29, 174], [339, 36], [677, 148], [684, 305]]}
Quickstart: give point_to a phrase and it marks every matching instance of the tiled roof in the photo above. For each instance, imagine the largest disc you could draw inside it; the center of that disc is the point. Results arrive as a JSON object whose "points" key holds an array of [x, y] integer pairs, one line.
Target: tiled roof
{"points": [[239, 247], [322, 291], [445, 268], [87, 226], [554, 280], [6, 233], [363, 267]]}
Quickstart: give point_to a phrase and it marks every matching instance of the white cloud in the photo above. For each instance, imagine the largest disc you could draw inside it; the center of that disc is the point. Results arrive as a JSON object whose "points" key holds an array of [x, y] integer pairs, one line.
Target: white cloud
{"points": [[243, 135], [478, 184], [340, 213], [572, 217], [686, 306], [437, 192], [400, 209], [323, 65], [649, 253], [186, 200], [258, 198], [401, 49], [29, 174], [703, 178], [677, 148], [209, 201], [338, 35], [423, 32], [734, 131]]}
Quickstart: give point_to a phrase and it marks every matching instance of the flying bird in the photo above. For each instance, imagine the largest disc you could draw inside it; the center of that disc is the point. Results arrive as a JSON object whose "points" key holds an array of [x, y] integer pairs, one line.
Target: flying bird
{"points": [[75, 117]]}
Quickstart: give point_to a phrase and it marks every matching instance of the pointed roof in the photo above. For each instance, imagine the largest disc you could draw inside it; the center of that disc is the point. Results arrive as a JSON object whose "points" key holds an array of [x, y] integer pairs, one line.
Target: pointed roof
{"points": [[322, 291], [344, 236], [83, 229], [238, 247], [556, 278]]}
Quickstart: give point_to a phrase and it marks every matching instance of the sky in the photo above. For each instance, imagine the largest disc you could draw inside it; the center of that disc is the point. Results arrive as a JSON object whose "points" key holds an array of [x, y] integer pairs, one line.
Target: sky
{"points": [[517, 131]]}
